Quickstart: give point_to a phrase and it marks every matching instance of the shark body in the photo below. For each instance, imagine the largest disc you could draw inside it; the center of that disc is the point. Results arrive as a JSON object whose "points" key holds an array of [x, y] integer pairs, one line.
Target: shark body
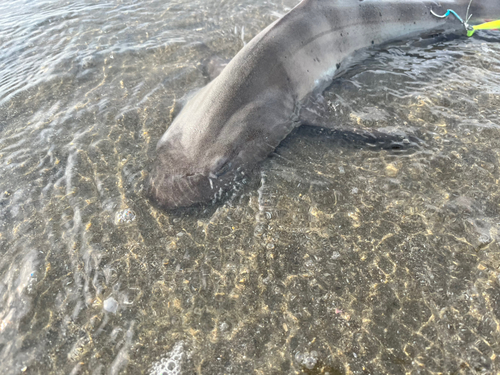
{"points": [[239, 118]]}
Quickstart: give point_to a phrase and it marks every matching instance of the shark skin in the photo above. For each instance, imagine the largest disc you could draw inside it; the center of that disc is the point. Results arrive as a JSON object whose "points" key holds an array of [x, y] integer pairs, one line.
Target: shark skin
{"points": [[239, 118]]}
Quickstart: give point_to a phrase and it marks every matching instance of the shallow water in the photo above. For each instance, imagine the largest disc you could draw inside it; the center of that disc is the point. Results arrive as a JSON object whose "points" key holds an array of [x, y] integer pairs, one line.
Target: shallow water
{"points": [[344, 254]]}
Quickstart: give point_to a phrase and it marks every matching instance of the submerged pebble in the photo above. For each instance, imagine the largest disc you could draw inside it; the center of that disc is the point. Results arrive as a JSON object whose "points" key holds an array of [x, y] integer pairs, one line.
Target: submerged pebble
{"points": [[484, 239], [391, 170], [110, 305], [335, 255], [125, 216], [307, 359]]}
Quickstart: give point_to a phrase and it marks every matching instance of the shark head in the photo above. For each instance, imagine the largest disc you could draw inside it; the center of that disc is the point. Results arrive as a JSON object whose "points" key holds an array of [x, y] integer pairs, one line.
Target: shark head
{"points": [[213, 144], [182, 176]]}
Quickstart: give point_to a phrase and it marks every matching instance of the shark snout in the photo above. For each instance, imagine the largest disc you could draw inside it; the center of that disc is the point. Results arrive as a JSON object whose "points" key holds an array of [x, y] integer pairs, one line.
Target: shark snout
{"points": [[180, 177], [170, 190]]}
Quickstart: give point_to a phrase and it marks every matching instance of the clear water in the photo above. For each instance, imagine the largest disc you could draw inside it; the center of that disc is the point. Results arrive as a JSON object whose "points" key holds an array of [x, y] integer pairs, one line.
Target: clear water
{"points": [[342, 255]]}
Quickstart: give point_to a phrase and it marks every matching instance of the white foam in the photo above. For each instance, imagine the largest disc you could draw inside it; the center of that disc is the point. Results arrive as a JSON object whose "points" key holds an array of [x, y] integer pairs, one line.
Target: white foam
{"points": [[171, 363]]}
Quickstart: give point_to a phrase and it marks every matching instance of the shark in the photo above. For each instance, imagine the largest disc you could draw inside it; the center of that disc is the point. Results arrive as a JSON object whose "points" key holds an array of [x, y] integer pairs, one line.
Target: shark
{"points": [[275, 83]]}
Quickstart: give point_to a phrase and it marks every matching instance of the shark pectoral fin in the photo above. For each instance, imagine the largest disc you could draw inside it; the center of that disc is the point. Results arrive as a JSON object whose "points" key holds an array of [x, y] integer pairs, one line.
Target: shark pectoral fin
{"points": [[315, 111]]}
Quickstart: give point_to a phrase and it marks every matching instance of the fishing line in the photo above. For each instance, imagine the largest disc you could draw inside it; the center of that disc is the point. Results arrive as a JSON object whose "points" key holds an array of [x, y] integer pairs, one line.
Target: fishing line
{"points": [[470, 29]]}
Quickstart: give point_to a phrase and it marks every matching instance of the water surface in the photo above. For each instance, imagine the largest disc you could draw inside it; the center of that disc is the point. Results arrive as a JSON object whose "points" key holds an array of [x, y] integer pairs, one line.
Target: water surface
{"points": [[342, 255]]}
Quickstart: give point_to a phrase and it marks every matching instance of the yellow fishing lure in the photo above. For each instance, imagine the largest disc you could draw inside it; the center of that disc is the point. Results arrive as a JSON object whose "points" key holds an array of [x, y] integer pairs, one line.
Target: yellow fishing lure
{"points": [[484, 26]]}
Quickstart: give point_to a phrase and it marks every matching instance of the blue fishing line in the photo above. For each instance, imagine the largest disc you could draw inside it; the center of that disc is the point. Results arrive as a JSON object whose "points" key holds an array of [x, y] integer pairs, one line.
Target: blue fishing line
{"points": [[448, 12]]}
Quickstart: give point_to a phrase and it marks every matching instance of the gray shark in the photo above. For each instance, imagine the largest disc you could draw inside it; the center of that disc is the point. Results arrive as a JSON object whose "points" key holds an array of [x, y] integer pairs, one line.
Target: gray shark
{"points": [[274, 84]]}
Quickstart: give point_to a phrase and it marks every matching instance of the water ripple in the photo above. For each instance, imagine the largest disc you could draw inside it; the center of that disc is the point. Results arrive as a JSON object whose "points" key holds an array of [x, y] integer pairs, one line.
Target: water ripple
{"points": [[375, 245]]}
